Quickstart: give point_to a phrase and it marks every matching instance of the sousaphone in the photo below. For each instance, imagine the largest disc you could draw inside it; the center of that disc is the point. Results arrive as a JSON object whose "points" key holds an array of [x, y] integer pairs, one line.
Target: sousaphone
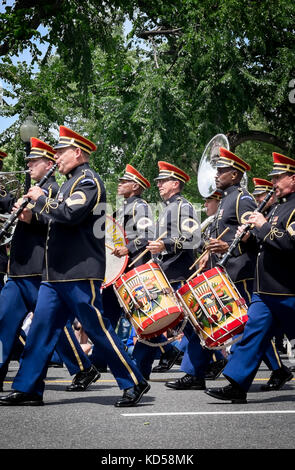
{"points": [[207, 167]]}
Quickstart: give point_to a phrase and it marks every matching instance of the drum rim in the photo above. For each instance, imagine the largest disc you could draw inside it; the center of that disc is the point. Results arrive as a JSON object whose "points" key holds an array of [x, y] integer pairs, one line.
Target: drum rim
{"points": [[133, 272], [175, 322], [126, 257], [193, 283], [110, 282], [216, 341]]}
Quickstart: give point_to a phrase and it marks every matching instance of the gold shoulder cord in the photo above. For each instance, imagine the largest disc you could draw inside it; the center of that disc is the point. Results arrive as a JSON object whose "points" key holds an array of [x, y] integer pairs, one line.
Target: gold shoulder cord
{"points": [[289, 220], [133, 211], [237, 208]]}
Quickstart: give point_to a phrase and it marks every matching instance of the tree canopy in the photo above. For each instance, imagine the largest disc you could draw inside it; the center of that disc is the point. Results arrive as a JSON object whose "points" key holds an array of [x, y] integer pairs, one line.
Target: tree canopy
{"points": [[188, 70]]}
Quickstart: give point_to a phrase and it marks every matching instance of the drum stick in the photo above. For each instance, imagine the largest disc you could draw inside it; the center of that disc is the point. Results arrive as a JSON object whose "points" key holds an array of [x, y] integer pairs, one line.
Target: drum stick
{"points": [[109, 247], [146, 250], [206, 251]]}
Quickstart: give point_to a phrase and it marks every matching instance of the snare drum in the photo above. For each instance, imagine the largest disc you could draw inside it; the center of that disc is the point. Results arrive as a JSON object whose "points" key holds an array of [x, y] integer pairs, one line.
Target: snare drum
{"points": [[215, 308], [148, 300]]}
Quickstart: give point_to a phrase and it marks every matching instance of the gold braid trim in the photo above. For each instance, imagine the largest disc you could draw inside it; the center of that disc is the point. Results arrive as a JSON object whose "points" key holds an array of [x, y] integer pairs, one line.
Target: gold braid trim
{"points": [[96, 182]]}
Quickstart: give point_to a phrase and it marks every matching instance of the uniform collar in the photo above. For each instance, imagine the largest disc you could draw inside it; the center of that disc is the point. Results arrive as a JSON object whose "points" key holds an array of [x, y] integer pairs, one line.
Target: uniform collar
{"points": [[230, 189], [288, 197], [77, 170], [172, 199], [130, 199]]}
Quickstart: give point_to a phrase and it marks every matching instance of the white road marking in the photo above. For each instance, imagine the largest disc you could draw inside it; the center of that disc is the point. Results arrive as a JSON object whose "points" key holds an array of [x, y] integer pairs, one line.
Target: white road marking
{"points": [[204, 413]]}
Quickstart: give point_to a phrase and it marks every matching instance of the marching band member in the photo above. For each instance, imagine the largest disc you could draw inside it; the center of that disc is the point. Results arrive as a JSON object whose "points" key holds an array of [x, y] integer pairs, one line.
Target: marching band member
{"points": [[73, 272], [136, 218], [261, 188], [3, 252], [236, 203], [218, 361], [273, 300], [19, 295], [175, 251], [134, 215]]}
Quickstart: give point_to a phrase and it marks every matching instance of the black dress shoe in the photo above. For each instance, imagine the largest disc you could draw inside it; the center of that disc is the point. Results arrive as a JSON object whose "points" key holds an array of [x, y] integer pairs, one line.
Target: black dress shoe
{"points": [[132, 395], [277, 379], [83, 379], [229, 393], [21, 398], [188, 382], [167, 360], [215, 369]]}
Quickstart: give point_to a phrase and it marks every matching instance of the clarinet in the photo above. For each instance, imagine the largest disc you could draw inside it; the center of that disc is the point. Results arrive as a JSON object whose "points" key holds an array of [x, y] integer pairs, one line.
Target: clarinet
{"points": [[248, 226], [10, 221]]}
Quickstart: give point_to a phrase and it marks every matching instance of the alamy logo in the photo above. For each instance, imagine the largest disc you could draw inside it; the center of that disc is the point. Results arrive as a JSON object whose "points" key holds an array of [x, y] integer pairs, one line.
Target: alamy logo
{"points": [[292, 92]]}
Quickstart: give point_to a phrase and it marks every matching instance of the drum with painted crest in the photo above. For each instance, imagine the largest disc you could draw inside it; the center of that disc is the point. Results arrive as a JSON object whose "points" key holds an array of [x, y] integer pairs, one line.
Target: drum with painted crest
{"points": [[148, 300], [214, 307]]}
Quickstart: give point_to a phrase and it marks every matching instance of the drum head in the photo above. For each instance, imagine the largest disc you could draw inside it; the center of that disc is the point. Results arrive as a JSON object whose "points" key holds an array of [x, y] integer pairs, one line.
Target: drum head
{"points": [[115, 236]]}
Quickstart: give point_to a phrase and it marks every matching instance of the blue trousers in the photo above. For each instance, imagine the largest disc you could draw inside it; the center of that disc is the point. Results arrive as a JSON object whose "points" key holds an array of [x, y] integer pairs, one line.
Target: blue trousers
{"points": [[267, 313], [18, 298], [196, 359], [144, 355], [113, 311], [83, 298]]}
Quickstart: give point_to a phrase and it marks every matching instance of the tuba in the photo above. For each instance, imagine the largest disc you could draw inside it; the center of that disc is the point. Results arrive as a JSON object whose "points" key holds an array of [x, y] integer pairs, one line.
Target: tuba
{"points": [[9, 183], [207, 167]]}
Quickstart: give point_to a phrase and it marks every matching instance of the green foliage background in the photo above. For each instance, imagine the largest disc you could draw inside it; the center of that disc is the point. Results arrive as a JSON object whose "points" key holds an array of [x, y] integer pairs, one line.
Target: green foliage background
{"points": [[188, 70]]}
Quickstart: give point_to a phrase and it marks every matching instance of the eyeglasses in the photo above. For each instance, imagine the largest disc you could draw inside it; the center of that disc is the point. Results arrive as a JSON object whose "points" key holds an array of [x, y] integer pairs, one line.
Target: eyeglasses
{"points": [[163, 181]]}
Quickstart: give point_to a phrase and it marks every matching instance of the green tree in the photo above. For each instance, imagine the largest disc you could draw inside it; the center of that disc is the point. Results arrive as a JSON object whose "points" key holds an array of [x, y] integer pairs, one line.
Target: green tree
{"points": [[208, 69]]}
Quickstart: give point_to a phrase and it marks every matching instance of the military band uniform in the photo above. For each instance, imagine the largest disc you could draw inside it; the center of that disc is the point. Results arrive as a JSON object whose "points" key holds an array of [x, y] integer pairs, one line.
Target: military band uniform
{"points": [[136, 218], [241, 265], [218, 358], [235, 201], [183, 236], [3, 265], [273, 300], [19, 295], [72, 276], [235, 204], [3, 251]]}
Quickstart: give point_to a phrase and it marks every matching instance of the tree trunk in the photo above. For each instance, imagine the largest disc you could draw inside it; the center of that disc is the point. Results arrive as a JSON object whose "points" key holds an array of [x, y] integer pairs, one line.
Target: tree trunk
{"points": [[236, 139]]}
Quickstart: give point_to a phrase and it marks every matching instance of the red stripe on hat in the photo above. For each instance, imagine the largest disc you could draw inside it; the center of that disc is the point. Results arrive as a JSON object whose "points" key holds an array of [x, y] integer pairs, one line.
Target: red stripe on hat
{"points": [[174, 170], [261, 182], [3, 154], [39, 144], [234, 158], [282, 159], [69, 134]]}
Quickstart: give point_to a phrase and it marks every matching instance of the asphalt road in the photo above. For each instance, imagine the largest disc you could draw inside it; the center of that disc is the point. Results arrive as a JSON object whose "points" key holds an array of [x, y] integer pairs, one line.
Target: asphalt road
{"points": [[165, 419]]}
